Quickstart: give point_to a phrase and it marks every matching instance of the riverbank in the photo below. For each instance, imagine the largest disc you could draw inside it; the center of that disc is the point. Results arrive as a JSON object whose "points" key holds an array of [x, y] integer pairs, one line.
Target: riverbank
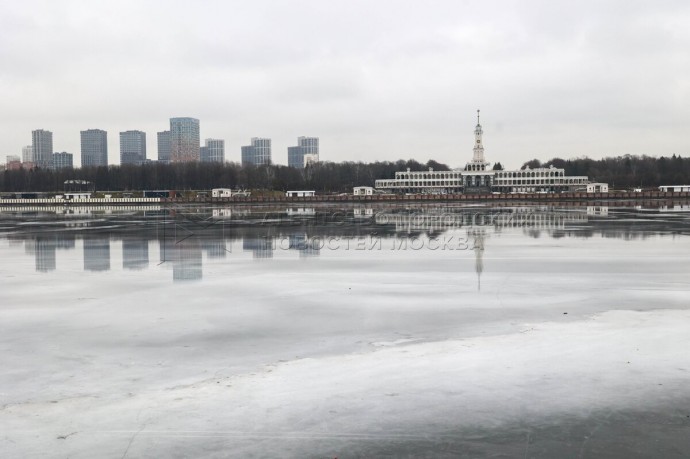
{"points": [[618, 198]]}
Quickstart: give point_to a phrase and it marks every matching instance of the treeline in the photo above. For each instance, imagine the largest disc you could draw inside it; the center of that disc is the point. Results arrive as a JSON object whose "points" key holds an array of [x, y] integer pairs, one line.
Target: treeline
{"points": [[321, 177], [619, 172], [625, 171]]}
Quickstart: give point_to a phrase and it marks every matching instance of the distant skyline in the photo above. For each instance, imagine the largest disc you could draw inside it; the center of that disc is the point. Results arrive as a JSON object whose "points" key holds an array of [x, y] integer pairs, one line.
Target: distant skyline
{"points": [[374, 80]]}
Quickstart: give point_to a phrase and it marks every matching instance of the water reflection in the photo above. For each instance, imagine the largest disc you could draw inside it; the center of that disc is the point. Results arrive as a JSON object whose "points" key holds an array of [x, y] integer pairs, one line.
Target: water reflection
{"points": [[188, 235], [135, 253], [261, 247], [185, 257], [44, 249], [97, 253]]}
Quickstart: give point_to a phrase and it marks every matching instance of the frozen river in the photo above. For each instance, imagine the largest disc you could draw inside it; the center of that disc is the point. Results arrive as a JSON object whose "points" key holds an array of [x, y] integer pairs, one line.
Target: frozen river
{"points": [[363, 331]]}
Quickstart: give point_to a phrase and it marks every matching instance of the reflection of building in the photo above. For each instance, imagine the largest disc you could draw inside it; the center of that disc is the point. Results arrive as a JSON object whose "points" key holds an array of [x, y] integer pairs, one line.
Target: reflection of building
{"points": [[258, 153], [300, 212], [477, 178], [440, 219], [214, 248], [132, 147], [135, 254], [65, 241], [303, 245], [185, 257], [261, 247], [224, 213], [306, 151], [96, 254], [184, 140], [45, 253], [363, 212], [94, 148], [602, 211]]}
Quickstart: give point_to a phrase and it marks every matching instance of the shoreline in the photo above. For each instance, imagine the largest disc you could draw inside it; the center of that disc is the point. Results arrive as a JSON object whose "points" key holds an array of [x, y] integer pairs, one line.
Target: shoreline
{"points": [[617, 198]]}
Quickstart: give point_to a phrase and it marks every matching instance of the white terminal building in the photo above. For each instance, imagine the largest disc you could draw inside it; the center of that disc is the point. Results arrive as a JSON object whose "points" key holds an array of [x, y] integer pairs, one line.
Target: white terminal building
{"points": [[476, 177]]}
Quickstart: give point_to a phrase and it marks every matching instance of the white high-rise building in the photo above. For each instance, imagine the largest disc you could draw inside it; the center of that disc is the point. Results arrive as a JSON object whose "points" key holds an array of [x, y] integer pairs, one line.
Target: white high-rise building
{"points": [[42, 147], [28, 154], [214, 151], [63, 160], [258, 153], [94, 148], [306, 152], [164, 146], [132, 147], [184, 140]]}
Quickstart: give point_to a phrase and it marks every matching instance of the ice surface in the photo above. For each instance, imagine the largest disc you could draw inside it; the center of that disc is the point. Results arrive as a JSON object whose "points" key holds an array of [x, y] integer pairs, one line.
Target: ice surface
{"points": [[568, 346]]}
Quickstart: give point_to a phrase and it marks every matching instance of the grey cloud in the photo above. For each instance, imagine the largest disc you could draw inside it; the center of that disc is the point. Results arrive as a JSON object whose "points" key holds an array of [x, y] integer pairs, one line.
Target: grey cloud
{"points": [[375, 80]]}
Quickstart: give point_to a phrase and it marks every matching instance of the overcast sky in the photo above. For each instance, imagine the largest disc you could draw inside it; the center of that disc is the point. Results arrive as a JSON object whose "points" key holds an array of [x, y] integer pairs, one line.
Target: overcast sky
{"points": [[375, 80]]}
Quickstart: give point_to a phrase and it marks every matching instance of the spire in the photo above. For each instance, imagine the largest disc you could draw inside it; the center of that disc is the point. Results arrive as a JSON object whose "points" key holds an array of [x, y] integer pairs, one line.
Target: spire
{"points": [[478, 156]]}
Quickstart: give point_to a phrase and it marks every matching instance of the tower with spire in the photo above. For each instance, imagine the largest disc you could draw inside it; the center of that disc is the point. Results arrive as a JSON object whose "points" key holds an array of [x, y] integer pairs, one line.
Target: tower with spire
{"points": [[478, 162], [478, 147]]}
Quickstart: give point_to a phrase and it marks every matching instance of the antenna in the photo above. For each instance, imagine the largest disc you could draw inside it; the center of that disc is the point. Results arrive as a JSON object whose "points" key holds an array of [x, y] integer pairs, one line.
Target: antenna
{"points": [[477, 116]]}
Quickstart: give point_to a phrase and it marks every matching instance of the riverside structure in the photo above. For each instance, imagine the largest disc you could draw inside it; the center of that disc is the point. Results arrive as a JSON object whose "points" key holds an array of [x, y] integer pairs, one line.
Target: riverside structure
{"points": [[477, 178]]}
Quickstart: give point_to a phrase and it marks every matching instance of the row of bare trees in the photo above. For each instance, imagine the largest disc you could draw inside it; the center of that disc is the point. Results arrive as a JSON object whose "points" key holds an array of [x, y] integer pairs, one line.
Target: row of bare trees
{"points": [[621, 172], [626, 171], [322, 177]]}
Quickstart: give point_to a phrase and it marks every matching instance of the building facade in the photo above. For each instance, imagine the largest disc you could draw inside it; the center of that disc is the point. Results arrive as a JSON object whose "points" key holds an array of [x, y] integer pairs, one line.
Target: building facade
{"points": [[184, 140], [258, 153], [42, 148], [28, 154], [476, 177], [306, 151], [132, 147], [213, 151], [94, 148], [164, 146], [63, 160], [13, 163], [204, 154]]}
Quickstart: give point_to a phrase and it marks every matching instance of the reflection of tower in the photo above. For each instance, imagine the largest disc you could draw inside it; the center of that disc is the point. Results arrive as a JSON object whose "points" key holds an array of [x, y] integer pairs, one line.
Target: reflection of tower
{"points": [[45, 254], [97, 254], [478, 235], [135, 254]]}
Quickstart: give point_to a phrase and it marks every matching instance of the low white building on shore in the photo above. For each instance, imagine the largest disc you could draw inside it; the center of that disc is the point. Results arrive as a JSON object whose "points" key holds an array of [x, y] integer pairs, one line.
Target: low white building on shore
{"points": [[675, 188], [300, 194], [476, 177], [597, 188], [228, 193], [363, 191]]}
